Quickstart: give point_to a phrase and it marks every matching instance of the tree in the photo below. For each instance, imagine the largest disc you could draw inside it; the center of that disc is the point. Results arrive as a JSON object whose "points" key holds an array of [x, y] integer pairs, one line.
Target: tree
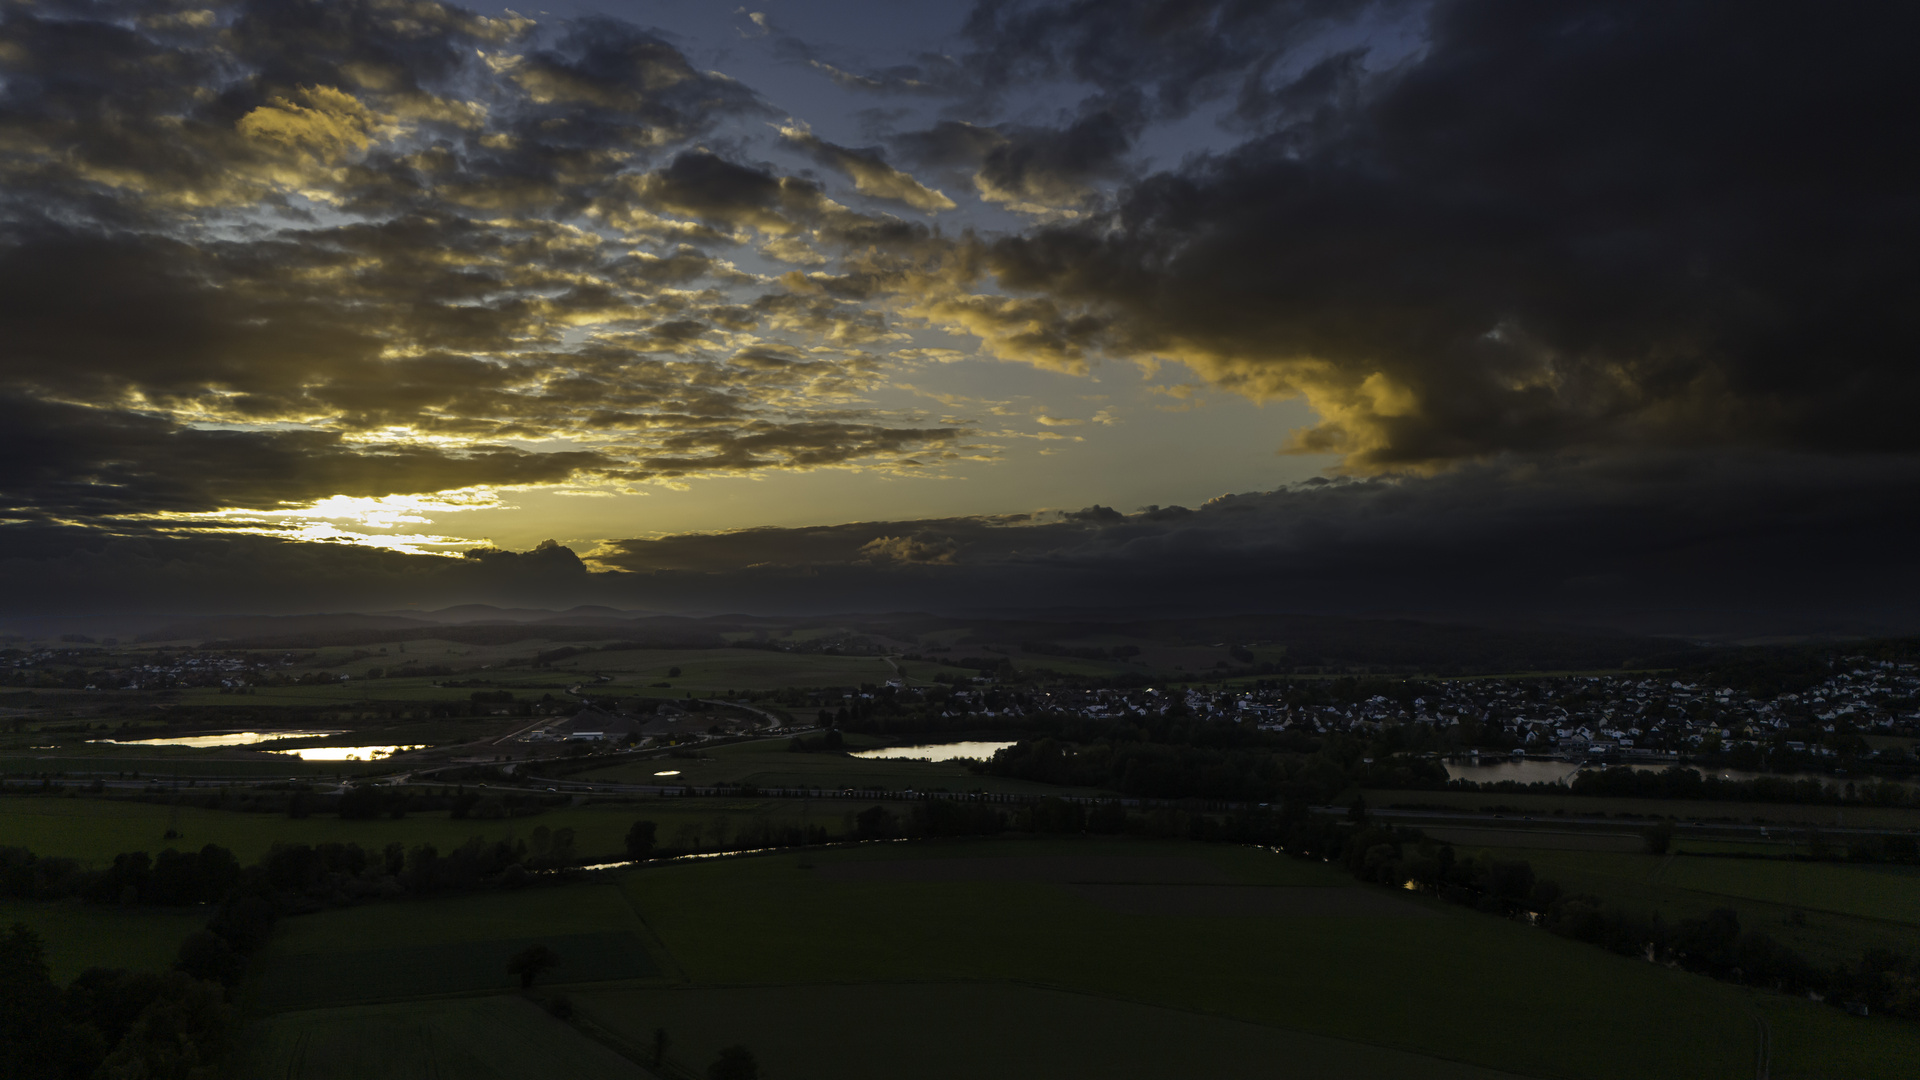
{"points": [[734, 1063], [29, 1007], [532, 962], [640, 839]]}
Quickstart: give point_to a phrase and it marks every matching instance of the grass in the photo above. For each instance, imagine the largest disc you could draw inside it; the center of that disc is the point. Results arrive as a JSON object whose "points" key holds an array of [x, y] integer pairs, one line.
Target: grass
{"points": [[1680, 809], [455, 945], [857, 961], [95, 830], [80, 936], [1842, 908], [1472, 837], [167, 763], [1385, 981], [491, 1038], [962, 1031], [1891, 893], [1815, 1042]]}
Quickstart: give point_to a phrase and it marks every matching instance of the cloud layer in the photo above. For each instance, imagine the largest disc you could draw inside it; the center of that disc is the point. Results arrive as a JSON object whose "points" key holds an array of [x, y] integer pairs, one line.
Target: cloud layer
{"points": [[1671, 543], [1604, 296]]}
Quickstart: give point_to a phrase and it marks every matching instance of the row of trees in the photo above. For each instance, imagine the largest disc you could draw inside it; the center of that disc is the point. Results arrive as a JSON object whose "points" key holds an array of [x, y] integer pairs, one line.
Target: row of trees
{"points": [[173, 879]]}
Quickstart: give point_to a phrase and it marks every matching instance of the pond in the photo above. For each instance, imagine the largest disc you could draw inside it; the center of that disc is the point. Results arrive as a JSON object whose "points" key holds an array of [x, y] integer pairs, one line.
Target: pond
{"points": [[345, 753], [935, 752], [231, 738]]}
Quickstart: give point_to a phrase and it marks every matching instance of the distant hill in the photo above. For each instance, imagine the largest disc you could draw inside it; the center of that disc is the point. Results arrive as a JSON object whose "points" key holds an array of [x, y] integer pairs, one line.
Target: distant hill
{"points": [[1309, 641], [318, 626], [487, 613]]}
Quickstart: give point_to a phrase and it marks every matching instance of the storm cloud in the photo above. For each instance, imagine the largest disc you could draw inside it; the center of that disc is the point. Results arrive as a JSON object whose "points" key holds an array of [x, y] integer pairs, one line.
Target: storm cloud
{"points": [[1559, 226], [1598, 307]]}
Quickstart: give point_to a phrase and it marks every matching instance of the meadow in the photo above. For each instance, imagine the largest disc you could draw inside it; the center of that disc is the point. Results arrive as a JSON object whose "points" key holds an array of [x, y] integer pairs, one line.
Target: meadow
{"points": [[485, 1038], [1830, 912], [1679, 809], [95, 830], [1012, 957]]}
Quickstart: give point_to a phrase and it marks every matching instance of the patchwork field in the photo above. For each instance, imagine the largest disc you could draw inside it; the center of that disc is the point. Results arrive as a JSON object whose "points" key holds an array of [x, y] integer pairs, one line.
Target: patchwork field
{"points": [[986, 1029], [1828, 911], [1744, 812], [1361, 976], [1020, 958], [95, 830], [487, 1038]]}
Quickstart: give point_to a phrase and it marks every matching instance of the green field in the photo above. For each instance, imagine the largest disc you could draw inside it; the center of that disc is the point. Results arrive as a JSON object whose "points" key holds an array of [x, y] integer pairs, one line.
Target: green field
{"points": [[165, 764], [1843, 908], [80, 936], [95, 830], [1387, 980], [1028, 958], [489, 1038], [985, 1029], [459, 945], [1815, 1042], [768, 763], [1679, 809]]}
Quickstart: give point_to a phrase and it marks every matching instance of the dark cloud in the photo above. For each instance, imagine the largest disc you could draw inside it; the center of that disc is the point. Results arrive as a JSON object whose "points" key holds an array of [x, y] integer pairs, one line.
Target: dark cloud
{"points": [[1177, 56], [869, 171], [1671, 543], [284, 239], [1025, 166], [68, 462], [1562, 225]]}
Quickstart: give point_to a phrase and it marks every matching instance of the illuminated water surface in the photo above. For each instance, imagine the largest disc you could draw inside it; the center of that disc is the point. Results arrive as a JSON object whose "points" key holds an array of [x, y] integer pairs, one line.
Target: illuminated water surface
{"points": [[345, 753], [231, 738], [937, 751]]}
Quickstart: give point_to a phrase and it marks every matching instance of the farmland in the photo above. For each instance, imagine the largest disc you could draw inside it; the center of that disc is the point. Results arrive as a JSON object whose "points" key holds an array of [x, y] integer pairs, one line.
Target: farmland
{"points": [[993, 932], [1629, 808], [488, 1038], [95, 830], [1829, 911]]}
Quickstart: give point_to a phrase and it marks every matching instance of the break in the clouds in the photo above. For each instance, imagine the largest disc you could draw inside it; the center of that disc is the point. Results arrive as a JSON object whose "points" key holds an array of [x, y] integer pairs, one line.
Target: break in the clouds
{"points": [[1688, 543], [260, 257]]}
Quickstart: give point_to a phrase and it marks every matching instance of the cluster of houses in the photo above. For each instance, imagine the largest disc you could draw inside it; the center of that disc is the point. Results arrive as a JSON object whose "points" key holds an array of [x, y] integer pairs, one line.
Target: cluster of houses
{"points": [[1576, 716], [1603, 715]]}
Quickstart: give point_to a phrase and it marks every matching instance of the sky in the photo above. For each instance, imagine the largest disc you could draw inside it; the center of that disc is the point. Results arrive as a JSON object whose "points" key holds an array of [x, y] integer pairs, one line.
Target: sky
{"points": [[1589, 312]]}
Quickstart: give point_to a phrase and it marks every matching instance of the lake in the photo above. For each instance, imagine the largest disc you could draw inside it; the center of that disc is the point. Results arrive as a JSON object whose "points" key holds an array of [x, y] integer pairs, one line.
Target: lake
{"points": [[936, 751], [231, 738], [345, 753]]}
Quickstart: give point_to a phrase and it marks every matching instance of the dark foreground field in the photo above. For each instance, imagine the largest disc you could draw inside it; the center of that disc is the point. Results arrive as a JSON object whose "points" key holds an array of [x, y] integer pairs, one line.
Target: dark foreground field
{"points": [[1011, 958]]}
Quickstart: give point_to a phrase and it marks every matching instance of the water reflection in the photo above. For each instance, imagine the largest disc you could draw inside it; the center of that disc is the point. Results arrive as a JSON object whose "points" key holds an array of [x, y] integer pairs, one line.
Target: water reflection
{"points": [[345, 753], [231, 738], [936, 752]]}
